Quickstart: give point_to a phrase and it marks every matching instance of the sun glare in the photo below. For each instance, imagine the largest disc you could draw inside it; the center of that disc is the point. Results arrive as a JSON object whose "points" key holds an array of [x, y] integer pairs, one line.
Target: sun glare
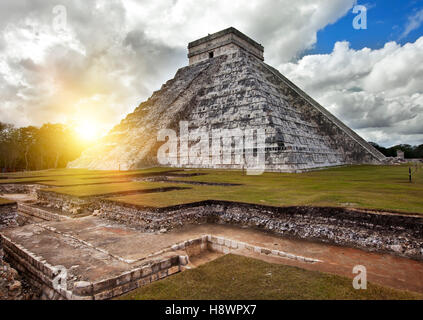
{"points": [[87, 131]]}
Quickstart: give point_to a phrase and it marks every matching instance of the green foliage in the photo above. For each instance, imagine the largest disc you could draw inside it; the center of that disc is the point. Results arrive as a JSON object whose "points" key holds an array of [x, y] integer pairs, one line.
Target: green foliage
{"points": [[31, 148], [410, 152]]}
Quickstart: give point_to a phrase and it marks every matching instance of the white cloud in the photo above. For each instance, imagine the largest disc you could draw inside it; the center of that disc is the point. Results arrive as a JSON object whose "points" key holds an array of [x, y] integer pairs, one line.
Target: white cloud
{"points": [[414, 22], [286, 28], [379, 92]]}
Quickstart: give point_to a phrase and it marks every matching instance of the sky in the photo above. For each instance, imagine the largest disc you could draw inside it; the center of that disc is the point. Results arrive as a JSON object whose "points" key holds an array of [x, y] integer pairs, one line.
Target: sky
{"points": [[95, 61]]}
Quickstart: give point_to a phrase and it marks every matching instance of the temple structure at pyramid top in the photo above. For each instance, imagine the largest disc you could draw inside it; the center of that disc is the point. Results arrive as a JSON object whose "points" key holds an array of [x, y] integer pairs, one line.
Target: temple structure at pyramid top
{"points": [[228, 86], [222, 43]]}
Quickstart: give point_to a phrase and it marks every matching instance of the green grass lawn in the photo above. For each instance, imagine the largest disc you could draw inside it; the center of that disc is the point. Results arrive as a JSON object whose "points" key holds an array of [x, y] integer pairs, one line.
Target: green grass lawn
{"points": [[374, 187], [110, 188], [68, 177], [236, 277], [363, 186], [171, 198], [81, 181]]}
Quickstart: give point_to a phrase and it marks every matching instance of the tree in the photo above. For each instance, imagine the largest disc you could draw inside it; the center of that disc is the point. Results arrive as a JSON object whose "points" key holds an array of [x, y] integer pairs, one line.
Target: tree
{"points": [[32, 148], [27, 139]]}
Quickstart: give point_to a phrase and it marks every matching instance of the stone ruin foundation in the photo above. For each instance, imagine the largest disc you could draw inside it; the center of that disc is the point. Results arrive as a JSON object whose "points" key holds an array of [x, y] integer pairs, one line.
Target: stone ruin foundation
{"points": [[392, 233]]}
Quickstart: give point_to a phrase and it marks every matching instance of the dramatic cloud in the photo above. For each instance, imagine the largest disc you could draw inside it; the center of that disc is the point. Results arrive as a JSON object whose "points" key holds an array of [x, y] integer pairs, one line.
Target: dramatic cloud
{"points": [[378, 92], [111, 55]]}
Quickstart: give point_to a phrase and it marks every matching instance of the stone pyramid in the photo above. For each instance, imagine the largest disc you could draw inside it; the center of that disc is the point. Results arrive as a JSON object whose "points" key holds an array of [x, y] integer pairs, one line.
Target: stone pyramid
{"points": [[227, 85]]}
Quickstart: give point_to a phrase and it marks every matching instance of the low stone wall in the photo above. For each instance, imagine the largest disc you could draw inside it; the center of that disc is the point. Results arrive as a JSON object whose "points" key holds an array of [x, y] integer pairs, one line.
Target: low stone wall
{"points": [[154, 219], [20, 188], [394, 233], [8, 215], [42, 275], [40, 213], [153, 267], [128, 281], [66, 202]]}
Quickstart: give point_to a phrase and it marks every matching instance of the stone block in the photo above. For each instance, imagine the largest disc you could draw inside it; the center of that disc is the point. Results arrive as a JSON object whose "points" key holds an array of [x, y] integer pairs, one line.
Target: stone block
{"points": [[135, 274], [146, 271], [83, 288], [155, 267], [117, 291], [173, 270], [154, 277], [163, 274], [143, 281], [275, 252], [164, 264], [183, 260], [265, 251], [123, 278]]}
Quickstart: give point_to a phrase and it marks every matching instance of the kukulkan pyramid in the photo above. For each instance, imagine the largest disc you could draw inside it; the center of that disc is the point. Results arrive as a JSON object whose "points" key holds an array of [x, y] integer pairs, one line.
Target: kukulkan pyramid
{"points": [[227, 85]]}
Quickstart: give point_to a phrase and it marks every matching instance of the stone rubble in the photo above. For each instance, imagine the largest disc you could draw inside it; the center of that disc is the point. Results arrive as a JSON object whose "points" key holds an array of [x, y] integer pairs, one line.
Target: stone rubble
{"points": [[8, 215], [12, 285], [398, 234]]}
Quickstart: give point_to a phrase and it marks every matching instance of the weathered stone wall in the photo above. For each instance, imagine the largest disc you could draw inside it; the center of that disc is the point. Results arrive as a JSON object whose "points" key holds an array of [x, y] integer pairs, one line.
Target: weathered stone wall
{"points": [[394, 233], [67, 203], [8, 215], [12, 285], [139, 129], [224, 42], [41, 274], [38, 213], [153, 220], [19, 188], [354, 148]]}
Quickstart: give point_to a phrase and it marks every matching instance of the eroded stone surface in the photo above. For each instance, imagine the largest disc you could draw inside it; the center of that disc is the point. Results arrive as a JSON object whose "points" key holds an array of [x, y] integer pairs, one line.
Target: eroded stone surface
{"points": [[105, 259], [8, 215]]}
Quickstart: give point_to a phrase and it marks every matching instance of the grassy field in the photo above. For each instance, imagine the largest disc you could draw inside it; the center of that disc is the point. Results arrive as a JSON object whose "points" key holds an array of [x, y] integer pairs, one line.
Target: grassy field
{"points": [[68, 177], [365, 186], [236, 277], [374, 187], [110, 188]]}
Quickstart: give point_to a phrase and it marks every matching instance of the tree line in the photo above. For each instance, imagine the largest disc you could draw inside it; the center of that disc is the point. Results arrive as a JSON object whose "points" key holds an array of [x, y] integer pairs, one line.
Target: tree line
{"points": [[32, 148], [410, 152], [54, 145]]}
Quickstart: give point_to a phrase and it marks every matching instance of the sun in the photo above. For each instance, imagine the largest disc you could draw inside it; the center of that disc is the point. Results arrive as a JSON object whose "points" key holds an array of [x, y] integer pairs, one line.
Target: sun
{"points": [[87, 131]]}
